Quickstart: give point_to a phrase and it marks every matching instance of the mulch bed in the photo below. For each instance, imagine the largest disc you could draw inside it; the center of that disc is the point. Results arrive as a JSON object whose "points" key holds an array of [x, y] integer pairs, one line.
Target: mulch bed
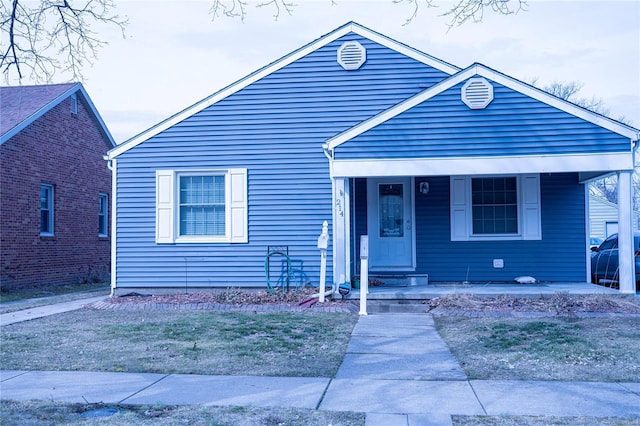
{"points": [[559, 304], [230, 300]]}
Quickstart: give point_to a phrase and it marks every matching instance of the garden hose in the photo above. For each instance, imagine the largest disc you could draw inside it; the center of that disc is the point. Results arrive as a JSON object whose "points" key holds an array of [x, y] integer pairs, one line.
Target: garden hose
{"points": [[270, 288]]}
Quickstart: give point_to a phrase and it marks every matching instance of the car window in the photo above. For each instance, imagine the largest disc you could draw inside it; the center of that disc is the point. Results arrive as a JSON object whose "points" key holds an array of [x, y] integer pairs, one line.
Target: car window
{"points": [[610, 243]]}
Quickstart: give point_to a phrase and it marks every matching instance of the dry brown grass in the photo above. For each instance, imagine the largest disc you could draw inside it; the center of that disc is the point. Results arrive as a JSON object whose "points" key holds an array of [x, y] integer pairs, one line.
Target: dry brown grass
{"points": [[555, 304], [189, 342], [50, 413], [552, 348]]}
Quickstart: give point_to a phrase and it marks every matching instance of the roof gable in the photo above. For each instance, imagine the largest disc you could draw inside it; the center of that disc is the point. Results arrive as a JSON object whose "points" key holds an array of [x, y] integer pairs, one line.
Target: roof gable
{"points": [[22, 105], [483, 71], [277, 65]]}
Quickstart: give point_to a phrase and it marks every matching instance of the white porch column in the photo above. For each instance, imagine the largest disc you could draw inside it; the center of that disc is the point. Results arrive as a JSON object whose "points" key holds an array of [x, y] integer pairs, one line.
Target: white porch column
{"points": [[340, 230], [625, 234]]}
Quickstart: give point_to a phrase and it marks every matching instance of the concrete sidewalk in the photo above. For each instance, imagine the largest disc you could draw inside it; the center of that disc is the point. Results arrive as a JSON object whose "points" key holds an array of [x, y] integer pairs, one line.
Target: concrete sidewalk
{"points": [[397, 369], [386, 402], [46, 310]]}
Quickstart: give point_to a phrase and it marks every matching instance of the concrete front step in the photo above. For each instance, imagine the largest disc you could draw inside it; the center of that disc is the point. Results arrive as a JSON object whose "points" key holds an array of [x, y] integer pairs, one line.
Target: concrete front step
{"points": [[395, 306]]}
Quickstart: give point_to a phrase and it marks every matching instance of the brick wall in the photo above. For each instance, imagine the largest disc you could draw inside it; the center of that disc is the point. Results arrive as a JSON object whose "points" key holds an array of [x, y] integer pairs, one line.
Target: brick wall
{"points": [[65, 151]]}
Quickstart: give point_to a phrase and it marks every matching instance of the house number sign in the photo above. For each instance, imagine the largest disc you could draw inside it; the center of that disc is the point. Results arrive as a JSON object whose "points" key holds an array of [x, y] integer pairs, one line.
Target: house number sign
{"points": [[339, 209]]}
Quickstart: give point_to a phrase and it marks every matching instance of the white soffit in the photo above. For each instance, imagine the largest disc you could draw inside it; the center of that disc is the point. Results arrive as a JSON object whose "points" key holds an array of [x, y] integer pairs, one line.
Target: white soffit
{"points": [[481, 165]]}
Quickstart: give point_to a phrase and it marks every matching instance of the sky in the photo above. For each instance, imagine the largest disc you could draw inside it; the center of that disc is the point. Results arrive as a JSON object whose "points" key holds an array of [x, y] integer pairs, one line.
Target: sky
{"points": [[174, 54]]}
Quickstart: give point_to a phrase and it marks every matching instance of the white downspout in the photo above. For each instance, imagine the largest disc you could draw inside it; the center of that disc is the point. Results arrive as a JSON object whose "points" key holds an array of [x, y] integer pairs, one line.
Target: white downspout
{"points": [[112, 165]]}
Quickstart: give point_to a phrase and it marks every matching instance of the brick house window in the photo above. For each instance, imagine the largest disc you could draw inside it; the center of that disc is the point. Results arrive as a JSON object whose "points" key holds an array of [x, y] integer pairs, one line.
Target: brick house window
{"points": [[46, 209], [74, 104], [103, 215]]}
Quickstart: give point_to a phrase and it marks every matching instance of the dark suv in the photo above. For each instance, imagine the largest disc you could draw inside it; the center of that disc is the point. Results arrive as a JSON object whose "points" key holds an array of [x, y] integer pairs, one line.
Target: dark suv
{"points": [[604, 261]]}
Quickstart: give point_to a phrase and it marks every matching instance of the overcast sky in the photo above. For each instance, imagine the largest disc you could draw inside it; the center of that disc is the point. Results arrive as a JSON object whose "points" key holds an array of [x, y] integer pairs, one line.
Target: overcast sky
{"points": [[174, 54]]}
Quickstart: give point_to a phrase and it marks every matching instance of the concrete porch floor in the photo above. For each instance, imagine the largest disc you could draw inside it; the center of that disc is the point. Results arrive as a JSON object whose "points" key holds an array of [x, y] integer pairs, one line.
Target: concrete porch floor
{"points": [[428, 291]]}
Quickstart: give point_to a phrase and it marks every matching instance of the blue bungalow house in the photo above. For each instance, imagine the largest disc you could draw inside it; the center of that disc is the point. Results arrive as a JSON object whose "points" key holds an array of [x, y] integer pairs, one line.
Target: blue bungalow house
{"points": [[455, 174]]}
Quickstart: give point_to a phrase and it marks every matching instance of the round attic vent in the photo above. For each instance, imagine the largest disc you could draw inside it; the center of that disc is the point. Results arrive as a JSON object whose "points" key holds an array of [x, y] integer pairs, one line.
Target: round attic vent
{"points": [[351, 55], [477, 93]]}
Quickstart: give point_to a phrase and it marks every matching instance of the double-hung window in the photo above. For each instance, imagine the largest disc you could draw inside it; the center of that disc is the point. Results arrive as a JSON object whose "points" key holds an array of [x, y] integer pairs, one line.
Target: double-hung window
{"points": [[201, 206], [46, 209], [495, 208], [103, 215], [494, 205]]}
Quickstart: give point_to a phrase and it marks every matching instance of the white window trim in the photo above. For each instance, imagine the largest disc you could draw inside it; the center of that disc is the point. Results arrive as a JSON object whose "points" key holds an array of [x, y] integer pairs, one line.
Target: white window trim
{"points": [[167, 206], [51, 207], [529, 217], [105, 219]]}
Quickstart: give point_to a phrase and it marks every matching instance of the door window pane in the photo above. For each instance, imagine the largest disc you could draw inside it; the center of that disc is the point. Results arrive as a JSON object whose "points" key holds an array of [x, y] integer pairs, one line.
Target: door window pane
{"points": [[391, 214]]}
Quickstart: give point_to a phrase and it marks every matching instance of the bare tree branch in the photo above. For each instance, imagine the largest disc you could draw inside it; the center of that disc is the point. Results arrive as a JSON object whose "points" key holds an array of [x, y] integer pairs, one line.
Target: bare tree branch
{"points": [[473, 10], [50, 36], [286, 5], [238, 8], [462, 11], [606, 186]]}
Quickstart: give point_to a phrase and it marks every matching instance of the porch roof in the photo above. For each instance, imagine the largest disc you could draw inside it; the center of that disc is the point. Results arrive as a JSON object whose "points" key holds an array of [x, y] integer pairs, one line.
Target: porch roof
{"points": [[526, 130]]}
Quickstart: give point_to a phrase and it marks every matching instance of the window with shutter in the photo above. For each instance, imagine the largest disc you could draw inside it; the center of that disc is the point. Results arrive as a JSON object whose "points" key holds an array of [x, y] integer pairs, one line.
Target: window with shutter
{"points": [[201, 206], [485, 208]]}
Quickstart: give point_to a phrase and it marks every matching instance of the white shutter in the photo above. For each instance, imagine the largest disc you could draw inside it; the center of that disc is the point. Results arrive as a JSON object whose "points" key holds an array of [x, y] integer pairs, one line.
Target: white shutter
{"points": [[238, 206], [531, 225], [164, 206], [459, 208]]}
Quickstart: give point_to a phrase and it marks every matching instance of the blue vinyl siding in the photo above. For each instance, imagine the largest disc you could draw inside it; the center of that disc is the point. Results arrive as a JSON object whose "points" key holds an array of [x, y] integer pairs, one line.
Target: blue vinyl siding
{"points": [[558, 257], [513, 124], [275, 128]]}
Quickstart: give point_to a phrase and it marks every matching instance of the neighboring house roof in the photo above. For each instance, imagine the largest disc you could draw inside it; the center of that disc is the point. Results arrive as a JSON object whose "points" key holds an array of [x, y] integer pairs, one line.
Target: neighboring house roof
{"points": [[593, 198], [22, 105], [483, 71], [350, 27]]}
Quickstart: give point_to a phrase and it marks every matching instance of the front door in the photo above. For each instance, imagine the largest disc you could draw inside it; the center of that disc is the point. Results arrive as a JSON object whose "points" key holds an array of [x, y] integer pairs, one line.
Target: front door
{"points": [[390, 224]]}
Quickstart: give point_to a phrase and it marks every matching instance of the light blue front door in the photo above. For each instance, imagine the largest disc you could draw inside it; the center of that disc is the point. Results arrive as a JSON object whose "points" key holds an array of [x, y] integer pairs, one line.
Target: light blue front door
{"points": [[390, 224]]}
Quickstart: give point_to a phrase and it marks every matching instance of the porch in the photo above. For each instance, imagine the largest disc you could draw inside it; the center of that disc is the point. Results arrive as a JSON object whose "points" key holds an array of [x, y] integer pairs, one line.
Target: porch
{"points": [[416, 293], [482, 193], [404, 299]]}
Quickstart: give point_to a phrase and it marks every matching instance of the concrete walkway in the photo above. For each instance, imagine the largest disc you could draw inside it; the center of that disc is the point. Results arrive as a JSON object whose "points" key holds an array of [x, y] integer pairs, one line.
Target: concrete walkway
{"points": [[46, 310], [397, 370]]}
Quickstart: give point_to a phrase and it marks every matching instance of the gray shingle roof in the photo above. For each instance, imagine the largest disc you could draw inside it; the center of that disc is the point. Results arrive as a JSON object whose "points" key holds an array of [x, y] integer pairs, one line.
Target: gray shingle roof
{"points": [[19, 103]]}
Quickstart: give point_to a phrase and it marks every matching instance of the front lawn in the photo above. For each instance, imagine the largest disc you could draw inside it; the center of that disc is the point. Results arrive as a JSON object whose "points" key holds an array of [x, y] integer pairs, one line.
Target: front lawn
{"points": [[187, 342]]}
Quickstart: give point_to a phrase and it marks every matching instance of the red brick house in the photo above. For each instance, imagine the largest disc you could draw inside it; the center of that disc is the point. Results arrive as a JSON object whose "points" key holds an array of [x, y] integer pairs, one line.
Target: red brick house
{"points": [[55, 187]]}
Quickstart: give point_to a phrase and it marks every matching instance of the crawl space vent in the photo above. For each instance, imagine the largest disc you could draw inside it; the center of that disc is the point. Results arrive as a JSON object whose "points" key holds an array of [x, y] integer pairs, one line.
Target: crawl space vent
{"points": [[477, 93], [351, 55]]}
